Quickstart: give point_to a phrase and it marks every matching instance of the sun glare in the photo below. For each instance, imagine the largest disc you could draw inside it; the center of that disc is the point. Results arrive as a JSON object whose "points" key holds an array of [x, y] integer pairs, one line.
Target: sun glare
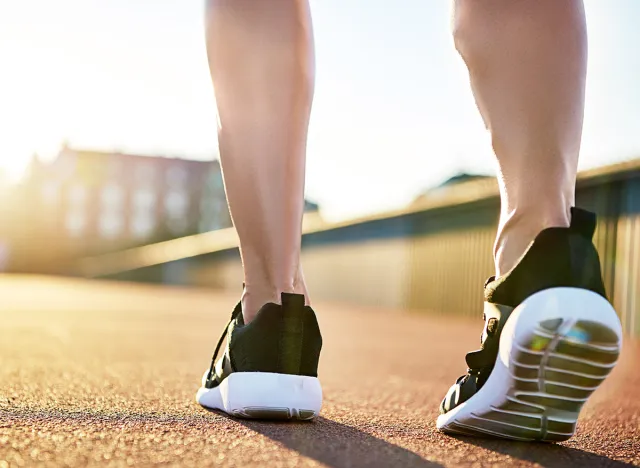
{"points": [[13, 170], [16, 158]]}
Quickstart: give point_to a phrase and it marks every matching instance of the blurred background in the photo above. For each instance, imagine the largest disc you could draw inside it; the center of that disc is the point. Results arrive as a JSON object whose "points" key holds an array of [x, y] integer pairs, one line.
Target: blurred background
{"points": [[109, 166]]}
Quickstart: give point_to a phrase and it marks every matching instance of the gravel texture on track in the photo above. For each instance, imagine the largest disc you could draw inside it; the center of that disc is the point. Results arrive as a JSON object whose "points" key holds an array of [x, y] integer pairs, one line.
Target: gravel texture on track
{"points": [[105, 373]]}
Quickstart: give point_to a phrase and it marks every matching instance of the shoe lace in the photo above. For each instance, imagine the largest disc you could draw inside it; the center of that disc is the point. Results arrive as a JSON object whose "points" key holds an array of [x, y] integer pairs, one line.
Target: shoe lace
{"points": [[472, 372], [236, 311], [479, 371]]}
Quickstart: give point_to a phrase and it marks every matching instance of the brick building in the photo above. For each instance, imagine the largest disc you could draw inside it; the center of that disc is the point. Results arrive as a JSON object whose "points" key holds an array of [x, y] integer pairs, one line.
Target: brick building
{"points": [[90, 202], [95, 199]]}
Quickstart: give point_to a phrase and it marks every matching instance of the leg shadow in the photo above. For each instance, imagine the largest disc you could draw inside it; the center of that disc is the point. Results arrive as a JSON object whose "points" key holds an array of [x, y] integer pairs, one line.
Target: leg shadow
{"points": [[337, 445], [544, 454]]}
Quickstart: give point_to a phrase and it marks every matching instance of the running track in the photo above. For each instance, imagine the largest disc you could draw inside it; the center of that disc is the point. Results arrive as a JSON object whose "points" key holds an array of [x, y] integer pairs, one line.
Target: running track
{"points": [[105, 374]]}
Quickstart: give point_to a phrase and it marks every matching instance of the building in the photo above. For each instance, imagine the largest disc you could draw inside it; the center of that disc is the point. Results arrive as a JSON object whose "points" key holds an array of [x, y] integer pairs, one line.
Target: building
{"points": [[98, 199], [85, 203], [457, 183]]}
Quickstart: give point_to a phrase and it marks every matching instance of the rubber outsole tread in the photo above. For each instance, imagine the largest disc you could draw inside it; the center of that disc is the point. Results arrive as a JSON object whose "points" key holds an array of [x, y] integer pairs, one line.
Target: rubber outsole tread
{"points": [[286, 414], [552, 376]]}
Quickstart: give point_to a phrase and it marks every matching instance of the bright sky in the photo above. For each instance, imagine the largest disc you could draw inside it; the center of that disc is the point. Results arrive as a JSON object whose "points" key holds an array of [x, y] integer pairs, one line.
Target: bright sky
{"points": [[392, 114]]}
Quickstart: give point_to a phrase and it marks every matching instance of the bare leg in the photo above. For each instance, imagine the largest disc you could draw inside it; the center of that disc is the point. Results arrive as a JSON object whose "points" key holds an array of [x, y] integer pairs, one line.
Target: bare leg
{"points": [[262, 67], [527, 65]]}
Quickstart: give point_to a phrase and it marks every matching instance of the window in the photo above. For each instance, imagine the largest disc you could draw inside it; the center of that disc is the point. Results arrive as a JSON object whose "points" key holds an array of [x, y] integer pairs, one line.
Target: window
{"points": [[143, 216], [75, 223], [176, 204], [111, 225], [112, 197], [144, 200], [142, 226]]}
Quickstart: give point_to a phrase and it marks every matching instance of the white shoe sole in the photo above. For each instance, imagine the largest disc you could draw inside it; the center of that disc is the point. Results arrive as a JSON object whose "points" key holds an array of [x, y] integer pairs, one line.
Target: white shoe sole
{"points": [[556, 348], [264, 395]]}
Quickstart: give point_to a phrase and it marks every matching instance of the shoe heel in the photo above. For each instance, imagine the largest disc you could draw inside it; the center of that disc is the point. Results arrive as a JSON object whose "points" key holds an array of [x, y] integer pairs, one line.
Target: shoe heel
{"points": [[264, 395]]}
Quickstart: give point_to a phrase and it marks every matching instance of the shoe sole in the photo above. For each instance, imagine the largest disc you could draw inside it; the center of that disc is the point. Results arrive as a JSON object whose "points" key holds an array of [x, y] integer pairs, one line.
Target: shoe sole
{"points": [[265, 395], [556, 348]]}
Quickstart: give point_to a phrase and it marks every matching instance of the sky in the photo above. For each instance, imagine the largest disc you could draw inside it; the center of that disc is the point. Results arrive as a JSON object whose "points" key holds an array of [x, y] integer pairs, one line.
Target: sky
{"points": [[393, 113]]}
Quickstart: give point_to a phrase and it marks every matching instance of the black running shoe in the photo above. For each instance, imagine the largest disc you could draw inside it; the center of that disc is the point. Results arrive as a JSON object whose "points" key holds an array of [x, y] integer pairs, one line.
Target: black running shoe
{"points": [[550, 339], [269, 369]]}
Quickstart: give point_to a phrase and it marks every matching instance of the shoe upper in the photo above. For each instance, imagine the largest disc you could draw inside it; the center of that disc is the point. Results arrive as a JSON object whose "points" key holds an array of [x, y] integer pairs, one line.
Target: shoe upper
{"points": [[558, 257], [282, 339]]}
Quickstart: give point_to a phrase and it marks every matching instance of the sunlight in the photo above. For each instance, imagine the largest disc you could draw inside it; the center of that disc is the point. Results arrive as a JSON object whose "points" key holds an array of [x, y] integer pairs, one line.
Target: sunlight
{"points": [[33, 109], [15, 158], [13, 169]]}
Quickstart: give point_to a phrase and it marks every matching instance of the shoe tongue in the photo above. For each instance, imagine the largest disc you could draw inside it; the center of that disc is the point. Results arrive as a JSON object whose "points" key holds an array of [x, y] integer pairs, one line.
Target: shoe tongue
{"points": [[476, 359], [583, 222], [485, 356], [489, 340]]}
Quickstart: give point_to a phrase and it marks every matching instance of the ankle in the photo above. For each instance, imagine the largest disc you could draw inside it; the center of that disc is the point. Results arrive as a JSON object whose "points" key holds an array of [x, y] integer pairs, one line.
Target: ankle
{"points": [[255, 296], [518, 229]]}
